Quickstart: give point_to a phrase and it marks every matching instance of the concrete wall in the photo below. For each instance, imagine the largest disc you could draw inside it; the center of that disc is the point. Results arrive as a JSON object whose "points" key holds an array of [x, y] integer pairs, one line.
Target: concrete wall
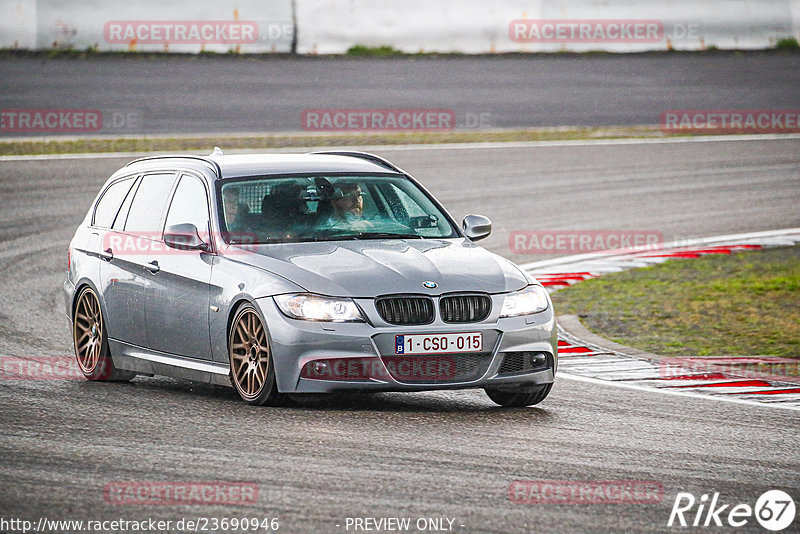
{"points": [[478, 26], [80, 24], [333, 26], [18, 24]]}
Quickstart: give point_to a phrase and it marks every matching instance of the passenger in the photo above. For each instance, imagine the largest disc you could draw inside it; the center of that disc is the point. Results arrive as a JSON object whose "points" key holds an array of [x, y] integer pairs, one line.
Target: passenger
{"points": [[284, 211], [235, 211]]}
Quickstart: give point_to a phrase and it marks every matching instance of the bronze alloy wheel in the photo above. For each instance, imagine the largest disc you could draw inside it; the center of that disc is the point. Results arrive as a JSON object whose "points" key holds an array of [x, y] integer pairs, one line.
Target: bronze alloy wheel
{"points": [[251, 358], [90, 341], [88, 332]]}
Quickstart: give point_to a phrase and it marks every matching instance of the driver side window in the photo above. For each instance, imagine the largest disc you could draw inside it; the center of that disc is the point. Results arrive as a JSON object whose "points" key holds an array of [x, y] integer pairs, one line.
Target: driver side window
{"points": [[190, 205]]}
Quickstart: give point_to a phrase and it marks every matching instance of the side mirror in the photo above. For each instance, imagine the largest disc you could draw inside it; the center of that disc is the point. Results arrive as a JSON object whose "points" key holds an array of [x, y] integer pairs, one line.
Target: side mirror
{"points": [[184, 237], [476, 227]]}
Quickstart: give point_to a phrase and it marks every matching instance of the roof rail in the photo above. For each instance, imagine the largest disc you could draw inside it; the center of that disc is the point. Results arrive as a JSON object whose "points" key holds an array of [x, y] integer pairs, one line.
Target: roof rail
{"points": [[362, 155], [211, 163]]}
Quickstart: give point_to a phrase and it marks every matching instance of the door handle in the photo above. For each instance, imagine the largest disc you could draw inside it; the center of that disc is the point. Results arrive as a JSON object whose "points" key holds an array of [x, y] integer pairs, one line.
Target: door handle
{"points": [[107, 254], [153, 267]]}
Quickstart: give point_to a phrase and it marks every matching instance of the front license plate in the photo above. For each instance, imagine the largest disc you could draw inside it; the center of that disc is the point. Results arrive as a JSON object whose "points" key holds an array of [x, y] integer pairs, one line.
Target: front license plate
{"points": [[438, 343]]}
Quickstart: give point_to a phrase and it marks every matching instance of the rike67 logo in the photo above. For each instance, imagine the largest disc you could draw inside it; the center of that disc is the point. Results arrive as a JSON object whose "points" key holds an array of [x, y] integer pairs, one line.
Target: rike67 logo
{"points": [[774, 510]]}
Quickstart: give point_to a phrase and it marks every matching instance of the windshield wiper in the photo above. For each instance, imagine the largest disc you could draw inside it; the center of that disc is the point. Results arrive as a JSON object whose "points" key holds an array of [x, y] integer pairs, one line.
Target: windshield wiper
{"points": [[360, 235], [385, 235]]}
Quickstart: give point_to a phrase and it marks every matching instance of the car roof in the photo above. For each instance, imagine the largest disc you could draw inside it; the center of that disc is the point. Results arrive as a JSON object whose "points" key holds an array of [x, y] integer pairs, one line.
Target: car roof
{"points": [[236, 165]]}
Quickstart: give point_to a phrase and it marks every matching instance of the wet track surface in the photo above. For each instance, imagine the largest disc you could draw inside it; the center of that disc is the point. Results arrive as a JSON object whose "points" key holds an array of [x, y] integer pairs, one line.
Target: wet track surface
{"points": [[442, 454], [234, 94]]}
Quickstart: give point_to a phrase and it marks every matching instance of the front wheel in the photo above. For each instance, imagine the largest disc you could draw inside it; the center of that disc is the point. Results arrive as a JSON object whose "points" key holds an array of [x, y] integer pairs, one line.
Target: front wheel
{"points": [[91, 341], [517, 398], [252, 372]]}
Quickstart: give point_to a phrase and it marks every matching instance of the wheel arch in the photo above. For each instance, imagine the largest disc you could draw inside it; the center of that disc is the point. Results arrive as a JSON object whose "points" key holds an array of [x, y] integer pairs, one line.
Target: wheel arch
{"points": [[236, 304], [82, 284]]}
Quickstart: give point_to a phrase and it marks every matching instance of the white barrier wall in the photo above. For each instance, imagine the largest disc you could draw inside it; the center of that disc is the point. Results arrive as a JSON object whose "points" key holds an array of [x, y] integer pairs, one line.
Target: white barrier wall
{"points": [[333, 26], [478, 26], [148, 25], [18, 24]]}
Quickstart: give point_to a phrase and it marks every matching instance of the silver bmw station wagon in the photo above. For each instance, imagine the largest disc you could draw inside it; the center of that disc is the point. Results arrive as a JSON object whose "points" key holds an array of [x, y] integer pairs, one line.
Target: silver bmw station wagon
{"points": [[297, 274]]}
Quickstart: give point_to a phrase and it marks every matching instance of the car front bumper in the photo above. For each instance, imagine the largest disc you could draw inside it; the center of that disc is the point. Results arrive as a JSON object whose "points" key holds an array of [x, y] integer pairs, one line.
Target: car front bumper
{"points": [[295, 343], [68, 292]]}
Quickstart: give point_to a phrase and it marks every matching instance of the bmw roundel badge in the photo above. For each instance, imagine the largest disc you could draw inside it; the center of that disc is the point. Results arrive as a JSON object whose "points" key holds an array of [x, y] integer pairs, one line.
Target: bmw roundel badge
{"points": [[429, 284]]}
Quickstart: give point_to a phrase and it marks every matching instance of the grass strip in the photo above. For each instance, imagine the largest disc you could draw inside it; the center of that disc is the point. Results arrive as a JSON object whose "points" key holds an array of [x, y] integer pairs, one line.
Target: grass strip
{"points": [[182, 143], [743, 304]]}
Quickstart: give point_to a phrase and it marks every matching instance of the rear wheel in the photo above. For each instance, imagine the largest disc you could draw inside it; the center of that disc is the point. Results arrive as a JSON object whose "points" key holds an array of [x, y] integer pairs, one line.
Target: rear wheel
{"points": [[91, 341], [252, 372], [515, 398]]}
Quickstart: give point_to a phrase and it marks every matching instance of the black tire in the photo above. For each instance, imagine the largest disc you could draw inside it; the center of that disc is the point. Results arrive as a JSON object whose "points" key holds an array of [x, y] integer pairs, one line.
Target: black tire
{"points": [[517, 398], [250, 355], [90, 341]]}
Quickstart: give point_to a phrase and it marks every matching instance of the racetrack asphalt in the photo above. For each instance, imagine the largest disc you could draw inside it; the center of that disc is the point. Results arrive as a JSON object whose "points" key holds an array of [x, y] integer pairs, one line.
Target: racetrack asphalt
{"points": [[438, 454], [225, 94]]}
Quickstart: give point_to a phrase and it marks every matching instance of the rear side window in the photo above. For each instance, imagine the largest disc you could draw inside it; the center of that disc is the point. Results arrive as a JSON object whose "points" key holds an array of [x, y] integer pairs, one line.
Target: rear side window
{"points": [[147, 208], [122, 216], [108, 205]]}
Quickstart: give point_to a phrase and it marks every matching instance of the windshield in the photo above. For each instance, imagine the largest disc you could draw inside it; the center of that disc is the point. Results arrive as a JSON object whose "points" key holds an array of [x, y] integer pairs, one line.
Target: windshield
{"points": [[328, 208]]}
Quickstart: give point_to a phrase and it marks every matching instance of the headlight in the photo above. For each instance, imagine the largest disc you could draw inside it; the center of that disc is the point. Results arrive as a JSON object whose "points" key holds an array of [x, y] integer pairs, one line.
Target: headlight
{"points": [[532, 299], [317, 308]]}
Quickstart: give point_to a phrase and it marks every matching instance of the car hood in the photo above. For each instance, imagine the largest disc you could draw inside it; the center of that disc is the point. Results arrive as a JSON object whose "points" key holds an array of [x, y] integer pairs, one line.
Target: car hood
{"points": [[368, 268]]}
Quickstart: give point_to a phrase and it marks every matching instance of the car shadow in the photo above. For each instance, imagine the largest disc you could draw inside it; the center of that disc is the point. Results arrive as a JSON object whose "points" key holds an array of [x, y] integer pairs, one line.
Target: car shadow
{"points": [[446, 401], [452, 401]]}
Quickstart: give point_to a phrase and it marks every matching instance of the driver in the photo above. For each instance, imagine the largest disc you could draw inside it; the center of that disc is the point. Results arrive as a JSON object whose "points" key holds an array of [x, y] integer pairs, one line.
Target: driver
{"points": [[347, 204]]}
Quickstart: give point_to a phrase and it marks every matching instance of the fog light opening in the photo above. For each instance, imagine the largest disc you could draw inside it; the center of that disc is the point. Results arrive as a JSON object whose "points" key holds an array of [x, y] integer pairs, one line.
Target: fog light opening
{"points": [[347, 369], [538, 359]]}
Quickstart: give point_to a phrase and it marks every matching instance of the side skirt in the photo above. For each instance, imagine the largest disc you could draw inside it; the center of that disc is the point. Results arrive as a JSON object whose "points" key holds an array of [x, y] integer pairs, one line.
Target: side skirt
{"points": [[141, 360]]}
